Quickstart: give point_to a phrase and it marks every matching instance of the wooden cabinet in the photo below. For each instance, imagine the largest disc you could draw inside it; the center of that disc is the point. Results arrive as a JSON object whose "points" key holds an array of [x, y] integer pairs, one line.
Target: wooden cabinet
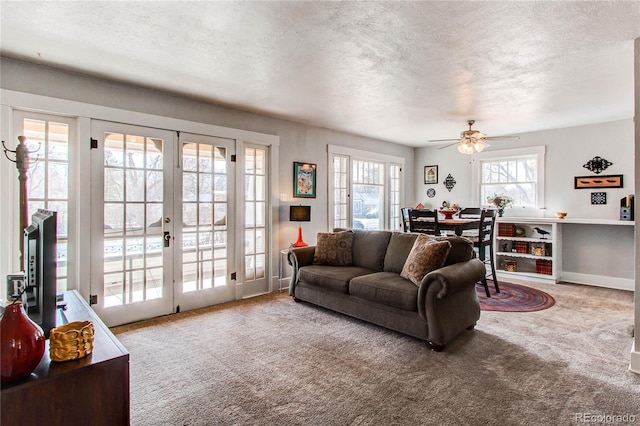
{"points": [[528, 248], [89, 391]]}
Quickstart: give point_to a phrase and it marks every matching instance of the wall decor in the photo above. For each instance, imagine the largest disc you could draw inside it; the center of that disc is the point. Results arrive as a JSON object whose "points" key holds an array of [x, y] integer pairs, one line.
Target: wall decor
{"points": [[610, 181], [430, 174], [597, 165], [304, 180], [449, 182], [431, 192], [598, 198]]}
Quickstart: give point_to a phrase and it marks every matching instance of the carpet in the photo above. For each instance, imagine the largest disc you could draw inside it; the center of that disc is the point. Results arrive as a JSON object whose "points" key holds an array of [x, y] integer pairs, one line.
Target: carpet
{"points": [[270, 361], [513, 298]]}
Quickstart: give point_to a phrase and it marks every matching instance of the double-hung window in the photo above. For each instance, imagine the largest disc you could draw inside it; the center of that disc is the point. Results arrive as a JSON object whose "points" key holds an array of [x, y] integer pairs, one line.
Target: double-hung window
{"points": [[365, 189], [518, 173]]}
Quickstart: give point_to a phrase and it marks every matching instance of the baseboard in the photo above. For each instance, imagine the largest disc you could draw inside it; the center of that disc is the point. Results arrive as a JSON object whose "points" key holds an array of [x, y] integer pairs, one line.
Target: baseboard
{"points": [[634, 365], [599, 280]]}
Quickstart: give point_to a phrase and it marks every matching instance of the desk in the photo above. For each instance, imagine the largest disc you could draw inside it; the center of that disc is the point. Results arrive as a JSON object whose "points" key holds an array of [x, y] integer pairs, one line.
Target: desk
{"points": [[458, 225], [91, 390]]}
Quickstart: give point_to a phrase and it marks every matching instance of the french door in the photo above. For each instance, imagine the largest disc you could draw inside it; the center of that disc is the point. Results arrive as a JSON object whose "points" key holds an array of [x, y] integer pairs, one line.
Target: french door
{"points": [[162, 222], [204, 222]]}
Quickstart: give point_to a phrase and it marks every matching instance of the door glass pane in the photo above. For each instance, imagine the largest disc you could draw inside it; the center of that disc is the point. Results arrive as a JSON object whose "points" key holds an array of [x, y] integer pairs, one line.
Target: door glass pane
{"points": [[47, 142], [255, 213], [368, 194], [133, 241], [204, 212]]}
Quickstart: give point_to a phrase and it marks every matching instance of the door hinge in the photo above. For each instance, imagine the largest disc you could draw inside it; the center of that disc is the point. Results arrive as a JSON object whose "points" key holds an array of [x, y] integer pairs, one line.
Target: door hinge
{"points": [[94, 143], [233, 275], [233, 158], [93, 299]]}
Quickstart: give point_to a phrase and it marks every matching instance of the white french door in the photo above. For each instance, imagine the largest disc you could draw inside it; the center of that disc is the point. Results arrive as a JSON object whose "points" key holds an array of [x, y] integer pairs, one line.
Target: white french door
{"points": [[256, 251], [163, 228], [132, 224], [204, 222]]}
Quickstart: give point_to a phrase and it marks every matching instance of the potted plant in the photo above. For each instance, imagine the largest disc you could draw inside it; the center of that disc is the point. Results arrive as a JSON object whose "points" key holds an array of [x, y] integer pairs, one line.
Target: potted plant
{"points": [[501, 201]]}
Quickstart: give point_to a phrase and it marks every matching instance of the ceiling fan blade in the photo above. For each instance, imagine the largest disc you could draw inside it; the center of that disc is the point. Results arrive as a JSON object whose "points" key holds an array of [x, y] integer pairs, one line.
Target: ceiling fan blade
{"points": [[514, 137], [444, 140], [448, 145]]}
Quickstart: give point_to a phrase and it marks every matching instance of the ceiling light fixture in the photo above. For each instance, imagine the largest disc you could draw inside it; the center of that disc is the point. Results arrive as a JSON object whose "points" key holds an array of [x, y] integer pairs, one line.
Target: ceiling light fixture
{"points": [[471, 140]]}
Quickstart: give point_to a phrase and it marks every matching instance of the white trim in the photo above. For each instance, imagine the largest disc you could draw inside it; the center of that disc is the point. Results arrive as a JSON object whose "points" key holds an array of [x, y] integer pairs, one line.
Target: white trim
{"points": [[364, 155], [598, 280], [539, 151], [634, 364], [9, 190], [48, 105]]}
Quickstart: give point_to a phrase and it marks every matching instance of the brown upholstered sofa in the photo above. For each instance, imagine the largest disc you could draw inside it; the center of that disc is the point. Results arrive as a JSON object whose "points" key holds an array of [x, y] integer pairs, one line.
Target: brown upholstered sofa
{"points": [[442, 306]]}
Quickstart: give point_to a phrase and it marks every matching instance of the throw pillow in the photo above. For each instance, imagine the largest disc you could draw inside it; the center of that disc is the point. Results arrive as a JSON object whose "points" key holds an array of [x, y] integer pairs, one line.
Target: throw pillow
{"points": [[334, 249], [425, 256]]}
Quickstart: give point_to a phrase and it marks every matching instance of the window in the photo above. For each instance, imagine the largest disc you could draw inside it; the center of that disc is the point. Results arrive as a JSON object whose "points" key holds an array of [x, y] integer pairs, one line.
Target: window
{"points": [[47, 139], [366, 189], [518, 173]]}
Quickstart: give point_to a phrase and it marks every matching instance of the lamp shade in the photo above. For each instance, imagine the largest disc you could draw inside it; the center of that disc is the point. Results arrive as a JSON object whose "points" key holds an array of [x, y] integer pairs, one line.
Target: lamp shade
{"points": [[300, 213]]}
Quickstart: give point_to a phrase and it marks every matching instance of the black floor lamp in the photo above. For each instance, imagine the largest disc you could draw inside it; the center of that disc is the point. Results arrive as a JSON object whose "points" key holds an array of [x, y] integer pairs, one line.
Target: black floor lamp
{"points": [[300, 214]]}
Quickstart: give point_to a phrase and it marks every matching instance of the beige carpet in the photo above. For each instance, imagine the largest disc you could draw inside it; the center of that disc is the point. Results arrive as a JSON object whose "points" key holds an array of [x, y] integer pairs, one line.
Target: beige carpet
{"points": [[271, 361]]}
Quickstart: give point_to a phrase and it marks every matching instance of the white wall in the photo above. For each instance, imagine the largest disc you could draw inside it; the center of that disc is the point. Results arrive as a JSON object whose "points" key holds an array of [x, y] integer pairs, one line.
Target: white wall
{"points": [[298, 142], [568, 149]]}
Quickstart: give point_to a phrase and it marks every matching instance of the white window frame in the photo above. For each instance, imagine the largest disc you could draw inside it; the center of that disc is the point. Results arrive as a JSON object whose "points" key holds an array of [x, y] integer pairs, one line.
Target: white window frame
{"points": [[506, 155], [356, 154]]}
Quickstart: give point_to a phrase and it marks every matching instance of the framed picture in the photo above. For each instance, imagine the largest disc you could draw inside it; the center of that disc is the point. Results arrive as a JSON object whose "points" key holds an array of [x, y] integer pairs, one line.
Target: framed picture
{"points": [[430, 174], [304, 180], [610, 181]]}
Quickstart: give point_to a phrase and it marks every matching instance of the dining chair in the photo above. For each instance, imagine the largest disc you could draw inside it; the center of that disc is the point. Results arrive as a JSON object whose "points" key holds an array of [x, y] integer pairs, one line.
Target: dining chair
{"points": [[424, 221], [470, 212], [406, 218], [482, 239]]}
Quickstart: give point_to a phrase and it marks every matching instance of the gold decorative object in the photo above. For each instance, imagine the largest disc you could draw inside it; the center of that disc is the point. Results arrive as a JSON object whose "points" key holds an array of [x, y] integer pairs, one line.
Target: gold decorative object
{"points": [[71, 341], [510, 265]]}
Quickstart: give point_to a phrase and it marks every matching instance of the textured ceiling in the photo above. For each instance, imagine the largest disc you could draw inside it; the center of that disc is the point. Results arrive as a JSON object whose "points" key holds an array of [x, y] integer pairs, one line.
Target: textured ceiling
{"points": [[400, 71]]}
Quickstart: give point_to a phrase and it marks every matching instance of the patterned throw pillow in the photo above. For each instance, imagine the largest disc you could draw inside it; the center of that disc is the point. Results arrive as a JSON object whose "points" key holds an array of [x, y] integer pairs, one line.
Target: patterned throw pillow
{"points": [[426, 255], [334, 249]]}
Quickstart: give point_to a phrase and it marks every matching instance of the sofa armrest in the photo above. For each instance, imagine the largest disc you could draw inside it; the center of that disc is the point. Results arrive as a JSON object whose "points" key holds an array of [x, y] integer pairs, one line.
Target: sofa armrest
{"points": [[446, 281], [297, 258]]}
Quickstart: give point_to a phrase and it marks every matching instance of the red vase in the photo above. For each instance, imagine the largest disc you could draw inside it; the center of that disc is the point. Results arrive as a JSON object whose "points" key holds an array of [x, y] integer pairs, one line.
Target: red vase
{"points": [[22, 344]]}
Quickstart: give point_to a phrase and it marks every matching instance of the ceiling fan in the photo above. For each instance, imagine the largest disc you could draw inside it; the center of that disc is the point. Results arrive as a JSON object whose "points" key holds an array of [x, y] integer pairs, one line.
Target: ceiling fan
{"points": [[471, 140]]}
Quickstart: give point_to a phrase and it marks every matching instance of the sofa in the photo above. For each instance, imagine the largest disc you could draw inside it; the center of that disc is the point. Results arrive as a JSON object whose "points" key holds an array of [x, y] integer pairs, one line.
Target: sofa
{"points": [[367, 279]]}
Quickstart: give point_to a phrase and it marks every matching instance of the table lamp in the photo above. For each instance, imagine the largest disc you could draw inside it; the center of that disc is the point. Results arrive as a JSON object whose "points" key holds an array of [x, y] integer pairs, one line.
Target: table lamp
{"points": [[300, 214]]}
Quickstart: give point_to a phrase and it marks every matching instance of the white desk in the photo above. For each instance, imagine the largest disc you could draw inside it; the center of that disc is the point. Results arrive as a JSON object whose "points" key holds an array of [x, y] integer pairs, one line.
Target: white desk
{"points": [[587, 251]]}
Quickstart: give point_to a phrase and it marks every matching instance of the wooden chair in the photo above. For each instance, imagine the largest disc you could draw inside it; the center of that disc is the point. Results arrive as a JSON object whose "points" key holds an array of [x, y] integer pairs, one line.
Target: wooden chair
{"points": [[483, 241], [470, 212], [406, 212], [425, 221]]}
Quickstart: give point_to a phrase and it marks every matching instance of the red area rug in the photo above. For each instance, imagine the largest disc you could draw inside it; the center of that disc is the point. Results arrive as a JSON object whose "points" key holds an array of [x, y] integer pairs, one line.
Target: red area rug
{"points": [[513, 298]]}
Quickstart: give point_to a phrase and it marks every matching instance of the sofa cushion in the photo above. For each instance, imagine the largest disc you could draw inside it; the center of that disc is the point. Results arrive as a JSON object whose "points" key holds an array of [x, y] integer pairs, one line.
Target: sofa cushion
{"points": [[461, 249], [386, 288], [426, 255], [334, 278], [369, 248], [398, 250], [334, 249]]}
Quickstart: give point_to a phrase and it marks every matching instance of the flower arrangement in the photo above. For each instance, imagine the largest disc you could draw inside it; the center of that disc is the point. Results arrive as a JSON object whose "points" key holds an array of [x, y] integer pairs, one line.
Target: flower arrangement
{"points": [[501, 201]]}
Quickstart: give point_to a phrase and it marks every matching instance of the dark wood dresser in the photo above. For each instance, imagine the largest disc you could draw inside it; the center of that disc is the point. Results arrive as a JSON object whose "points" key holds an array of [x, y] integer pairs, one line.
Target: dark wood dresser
{"points": [[89, 391]]}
